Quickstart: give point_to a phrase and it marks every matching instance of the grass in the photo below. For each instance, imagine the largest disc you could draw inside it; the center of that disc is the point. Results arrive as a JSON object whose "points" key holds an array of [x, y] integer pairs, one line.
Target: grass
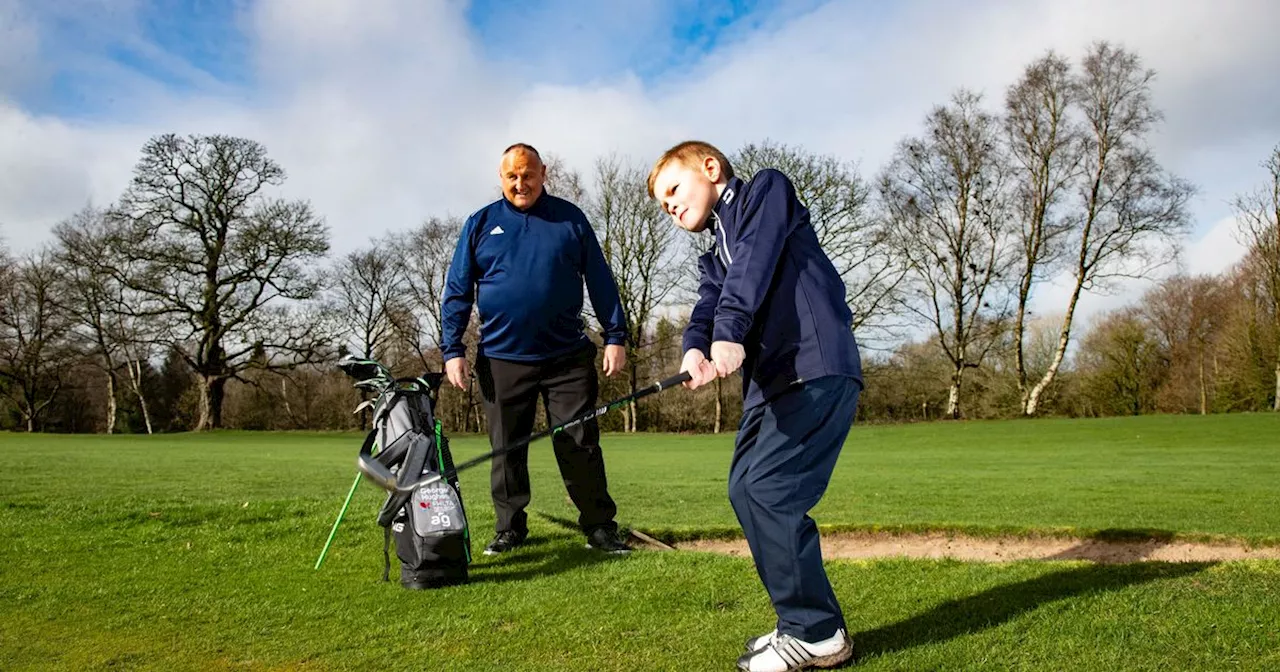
{"points": [[195, 552]]}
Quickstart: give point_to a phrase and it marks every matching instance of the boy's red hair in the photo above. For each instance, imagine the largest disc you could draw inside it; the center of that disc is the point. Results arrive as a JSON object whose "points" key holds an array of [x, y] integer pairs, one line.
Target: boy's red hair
{"points": [[691, 153]]}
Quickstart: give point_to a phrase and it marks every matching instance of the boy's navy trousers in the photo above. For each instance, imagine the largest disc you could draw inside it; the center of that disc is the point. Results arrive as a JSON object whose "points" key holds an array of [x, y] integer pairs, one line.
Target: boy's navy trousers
{"points": [[782, 461]]}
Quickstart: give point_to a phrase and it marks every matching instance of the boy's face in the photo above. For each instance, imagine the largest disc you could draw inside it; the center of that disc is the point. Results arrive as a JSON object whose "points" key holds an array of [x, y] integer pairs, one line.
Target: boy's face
{"points": [[689, 193]]}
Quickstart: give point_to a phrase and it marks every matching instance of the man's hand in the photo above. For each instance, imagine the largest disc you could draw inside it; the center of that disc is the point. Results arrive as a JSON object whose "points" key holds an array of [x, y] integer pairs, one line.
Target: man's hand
{"points": [[458, 372], [700, 370], [727, 357], [615, 356]]}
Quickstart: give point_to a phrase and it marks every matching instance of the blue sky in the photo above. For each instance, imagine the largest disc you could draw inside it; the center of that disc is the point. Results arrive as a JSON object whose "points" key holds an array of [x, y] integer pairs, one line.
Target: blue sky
{"points": [[649, 38], [93, 52], [384, 112]]}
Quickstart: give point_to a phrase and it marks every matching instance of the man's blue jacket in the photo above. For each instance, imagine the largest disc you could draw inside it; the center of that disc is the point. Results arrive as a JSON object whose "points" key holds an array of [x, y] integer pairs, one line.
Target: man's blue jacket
{"points": [[524, 271]]}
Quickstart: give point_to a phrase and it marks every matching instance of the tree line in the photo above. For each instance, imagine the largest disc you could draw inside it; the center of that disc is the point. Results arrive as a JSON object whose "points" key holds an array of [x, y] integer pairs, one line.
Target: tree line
{"points": [[200, 299]]}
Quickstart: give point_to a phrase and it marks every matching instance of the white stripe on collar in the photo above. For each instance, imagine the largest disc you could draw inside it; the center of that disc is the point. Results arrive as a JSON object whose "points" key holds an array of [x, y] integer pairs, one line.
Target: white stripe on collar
{"points": [[722, 239]]}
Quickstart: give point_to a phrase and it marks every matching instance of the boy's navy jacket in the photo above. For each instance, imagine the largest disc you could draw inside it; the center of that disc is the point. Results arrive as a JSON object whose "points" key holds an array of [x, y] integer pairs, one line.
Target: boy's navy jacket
{"points": [[524, 271], [767, 284]]}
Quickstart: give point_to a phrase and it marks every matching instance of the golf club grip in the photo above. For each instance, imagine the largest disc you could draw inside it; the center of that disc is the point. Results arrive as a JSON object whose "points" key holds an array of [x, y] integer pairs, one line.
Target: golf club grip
{"points": [[679, 378]]}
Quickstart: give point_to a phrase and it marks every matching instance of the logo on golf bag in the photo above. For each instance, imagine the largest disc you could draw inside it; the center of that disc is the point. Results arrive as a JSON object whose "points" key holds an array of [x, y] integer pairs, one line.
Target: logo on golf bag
{"points": [[437, 510]]}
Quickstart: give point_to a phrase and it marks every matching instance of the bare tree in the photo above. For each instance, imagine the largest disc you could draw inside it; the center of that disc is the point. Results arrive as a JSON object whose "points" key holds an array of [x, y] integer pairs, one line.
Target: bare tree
{"points": [[366, 289], [366, 296], [838, 200], [1045, 146], [641, 247], [563, 181], [35, 351], [1128, 211], [99, 304], [945, 199], [1258, 219], [424, 254], [91, 295], [217, 263]]}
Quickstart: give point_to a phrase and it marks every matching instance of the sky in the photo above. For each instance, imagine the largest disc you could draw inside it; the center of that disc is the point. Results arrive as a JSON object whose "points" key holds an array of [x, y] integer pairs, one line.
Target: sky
{"points": [[385, 112]]}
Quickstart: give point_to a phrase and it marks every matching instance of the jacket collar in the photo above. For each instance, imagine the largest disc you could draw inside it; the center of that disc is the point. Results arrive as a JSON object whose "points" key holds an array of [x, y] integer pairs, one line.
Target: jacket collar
{"points": [[720, 235], [732, 189]]}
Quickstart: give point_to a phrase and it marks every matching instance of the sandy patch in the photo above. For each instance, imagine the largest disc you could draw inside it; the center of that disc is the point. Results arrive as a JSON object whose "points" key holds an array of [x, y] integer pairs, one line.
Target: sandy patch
{"points": [[961, 547]]}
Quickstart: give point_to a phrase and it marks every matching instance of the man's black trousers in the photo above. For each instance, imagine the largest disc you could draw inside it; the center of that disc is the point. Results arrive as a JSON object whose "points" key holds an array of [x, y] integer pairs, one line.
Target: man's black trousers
{"points": [[568, 386]]}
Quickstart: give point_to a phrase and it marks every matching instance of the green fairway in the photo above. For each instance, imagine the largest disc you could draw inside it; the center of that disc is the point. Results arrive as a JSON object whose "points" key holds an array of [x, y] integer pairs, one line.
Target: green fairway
{"points": [[195, 552]]}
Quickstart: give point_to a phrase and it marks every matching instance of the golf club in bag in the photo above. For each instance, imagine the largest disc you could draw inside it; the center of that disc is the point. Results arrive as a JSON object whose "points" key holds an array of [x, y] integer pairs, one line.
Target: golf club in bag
{"points": [[424, 511], [387, 480]]}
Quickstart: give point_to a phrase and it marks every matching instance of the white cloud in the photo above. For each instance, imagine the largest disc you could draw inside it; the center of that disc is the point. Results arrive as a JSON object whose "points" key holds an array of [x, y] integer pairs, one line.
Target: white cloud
{"points": [[384, 113], [1215, 252]]}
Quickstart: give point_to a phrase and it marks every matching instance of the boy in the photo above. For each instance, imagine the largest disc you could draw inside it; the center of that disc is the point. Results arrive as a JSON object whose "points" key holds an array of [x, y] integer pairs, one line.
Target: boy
{"points": [[771, 302]]}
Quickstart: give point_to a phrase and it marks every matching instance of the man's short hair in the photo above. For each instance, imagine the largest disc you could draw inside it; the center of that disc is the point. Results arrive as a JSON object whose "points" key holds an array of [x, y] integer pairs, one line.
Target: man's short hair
{"points": [[690, 153], [525, 147]]}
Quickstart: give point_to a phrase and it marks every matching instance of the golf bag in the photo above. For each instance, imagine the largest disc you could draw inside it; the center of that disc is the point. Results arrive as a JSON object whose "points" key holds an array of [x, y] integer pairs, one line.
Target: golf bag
{"points": [[432, 538]]}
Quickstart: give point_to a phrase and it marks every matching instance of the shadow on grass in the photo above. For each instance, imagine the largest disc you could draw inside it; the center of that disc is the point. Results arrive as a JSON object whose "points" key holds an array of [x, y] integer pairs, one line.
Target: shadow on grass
{"points": [[994, 607], [530, 562]]}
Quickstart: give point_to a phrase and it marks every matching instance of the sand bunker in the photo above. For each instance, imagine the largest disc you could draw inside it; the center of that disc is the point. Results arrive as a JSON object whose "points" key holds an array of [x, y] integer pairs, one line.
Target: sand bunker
{"points": [[1004, 549]]}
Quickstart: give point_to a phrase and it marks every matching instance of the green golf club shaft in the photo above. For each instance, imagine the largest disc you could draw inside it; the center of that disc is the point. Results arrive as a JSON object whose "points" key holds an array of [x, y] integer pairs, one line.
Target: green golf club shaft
{"points": [[341, 513]]}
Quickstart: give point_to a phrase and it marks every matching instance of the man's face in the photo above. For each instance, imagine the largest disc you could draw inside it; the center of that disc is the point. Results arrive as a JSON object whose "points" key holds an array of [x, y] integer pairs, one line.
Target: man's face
{"points": [[522, 177], [688, 193]]}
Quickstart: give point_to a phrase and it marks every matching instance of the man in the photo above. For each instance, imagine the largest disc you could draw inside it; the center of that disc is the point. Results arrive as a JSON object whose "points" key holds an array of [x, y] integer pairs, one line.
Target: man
{"points": [[522, 260]]}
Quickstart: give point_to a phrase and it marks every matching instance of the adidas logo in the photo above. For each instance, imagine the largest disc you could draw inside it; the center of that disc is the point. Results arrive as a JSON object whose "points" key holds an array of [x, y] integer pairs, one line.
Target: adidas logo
{"points": [[496, 230]]}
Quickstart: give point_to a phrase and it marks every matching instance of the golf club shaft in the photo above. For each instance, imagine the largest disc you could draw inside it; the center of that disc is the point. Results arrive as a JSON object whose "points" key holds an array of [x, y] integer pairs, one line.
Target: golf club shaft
{"points": [[659, 386]]}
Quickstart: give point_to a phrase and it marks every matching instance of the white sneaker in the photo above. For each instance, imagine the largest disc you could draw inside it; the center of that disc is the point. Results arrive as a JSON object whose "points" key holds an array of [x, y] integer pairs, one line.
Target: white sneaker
{"points": [[784, 653], [761, 641]]}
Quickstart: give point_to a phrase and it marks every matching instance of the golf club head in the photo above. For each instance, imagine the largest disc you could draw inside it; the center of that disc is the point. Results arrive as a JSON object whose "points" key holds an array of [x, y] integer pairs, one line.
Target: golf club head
{"points": [[373, 383], [384, 478], [363, 370]]}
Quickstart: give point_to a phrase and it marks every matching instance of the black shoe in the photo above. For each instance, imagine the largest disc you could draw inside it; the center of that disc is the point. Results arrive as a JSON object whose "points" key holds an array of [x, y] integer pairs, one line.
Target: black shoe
{"points": [[602, 539], [504, 541]]}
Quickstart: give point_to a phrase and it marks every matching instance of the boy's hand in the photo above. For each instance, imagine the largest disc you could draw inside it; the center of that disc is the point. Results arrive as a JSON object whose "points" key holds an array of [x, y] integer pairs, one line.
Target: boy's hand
{"points": [[727, 357], [458, 372], [700, 370]]}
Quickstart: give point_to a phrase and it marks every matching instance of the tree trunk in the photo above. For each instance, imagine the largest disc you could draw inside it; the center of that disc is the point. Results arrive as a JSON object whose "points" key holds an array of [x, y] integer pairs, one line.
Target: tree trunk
{"points": [[1204, 392], [1020, 361], [288, 409], [135, 381], [953, 395], [1064, 339], [111, 402], [1019, 333], [1276, 406], [212, 391], [146, 414]]}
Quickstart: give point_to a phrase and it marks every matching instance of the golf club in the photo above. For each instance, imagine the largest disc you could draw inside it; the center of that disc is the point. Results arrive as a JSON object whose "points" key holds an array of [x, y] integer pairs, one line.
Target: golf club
{"points": [[386, 480]]}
